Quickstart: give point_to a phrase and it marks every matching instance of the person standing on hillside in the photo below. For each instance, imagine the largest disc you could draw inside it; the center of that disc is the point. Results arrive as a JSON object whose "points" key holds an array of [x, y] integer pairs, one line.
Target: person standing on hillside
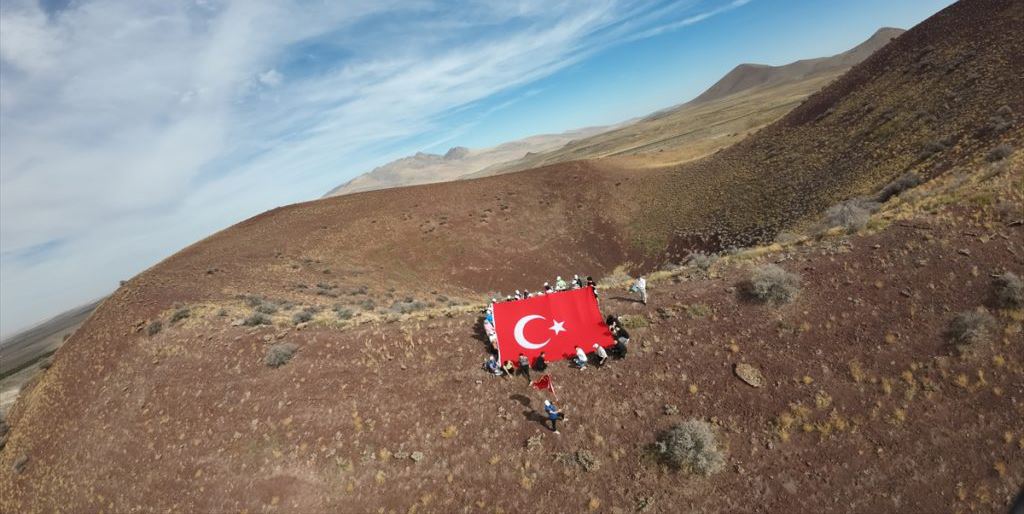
{"points": [[553, 415], [640, 286], [524, 366]]}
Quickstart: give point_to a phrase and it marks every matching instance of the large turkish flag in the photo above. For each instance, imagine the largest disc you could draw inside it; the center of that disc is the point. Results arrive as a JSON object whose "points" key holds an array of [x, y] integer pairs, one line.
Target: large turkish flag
{"points": [[554, 323]]}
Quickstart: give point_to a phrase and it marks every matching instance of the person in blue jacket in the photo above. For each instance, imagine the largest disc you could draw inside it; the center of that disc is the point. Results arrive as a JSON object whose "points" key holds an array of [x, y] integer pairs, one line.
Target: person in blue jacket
{"points": [[553, 415]]}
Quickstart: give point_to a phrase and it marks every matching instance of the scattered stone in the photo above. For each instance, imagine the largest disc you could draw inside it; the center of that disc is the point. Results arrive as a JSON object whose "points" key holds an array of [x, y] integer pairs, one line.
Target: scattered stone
{"points": [[906, 292], [20, 464], [964, 251], [671, 410], [416, 456], [749, 374]]}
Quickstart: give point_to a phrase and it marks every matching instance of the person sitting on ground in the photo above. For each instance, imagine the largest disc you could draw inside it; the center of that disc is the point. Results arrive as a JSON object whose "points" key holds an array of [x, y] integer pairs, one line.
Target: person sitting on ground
{"points": [[576, 282], [491, 365], [540, 363], [560, 284], [518, 295], [580, 360], [547, 288], [553, 415], [508, 368], [524, 366], [600, 355]]}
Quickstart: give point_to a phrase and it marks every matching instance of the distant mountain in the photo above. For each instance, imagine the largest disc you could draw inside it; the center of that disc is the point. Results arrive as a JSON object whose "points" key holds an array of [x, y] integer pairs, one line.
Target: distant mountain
{"points": [[717, 118], [746, 99], [747, 76], [426, 168]]}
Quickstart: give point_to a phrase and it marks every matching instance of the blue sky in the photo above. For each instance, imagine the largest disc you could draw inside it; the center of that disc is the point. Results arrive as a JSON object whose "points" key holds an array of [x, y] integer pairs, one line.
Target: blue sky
{"points": [[131, 128]]}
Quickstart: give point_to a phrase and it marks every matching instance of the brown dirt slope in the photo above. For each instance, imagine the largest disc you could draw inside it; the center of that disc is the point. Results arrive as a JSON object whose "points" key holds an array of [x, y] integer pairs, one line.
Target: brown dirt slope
{"points": [[922, 104], [866, 406]]}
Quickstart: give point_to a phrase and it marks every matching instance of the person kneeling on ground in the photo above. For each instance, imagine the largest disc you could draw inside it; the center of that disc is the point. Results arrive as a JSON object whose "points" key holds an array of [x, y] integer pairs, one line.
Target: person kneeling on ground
{"points": [[600, 355], [492, 365], [540, 363], [621, 342], [553, 415], [508, 368], [524, 366], [581, 358]]}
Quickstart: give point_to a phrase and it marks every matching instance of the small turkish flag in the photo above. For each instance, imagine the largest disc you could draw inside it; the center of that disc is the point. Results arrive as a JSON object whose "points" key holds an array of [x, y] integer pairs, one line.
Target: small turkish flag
{"points": [[544, 384], [554, 323]]}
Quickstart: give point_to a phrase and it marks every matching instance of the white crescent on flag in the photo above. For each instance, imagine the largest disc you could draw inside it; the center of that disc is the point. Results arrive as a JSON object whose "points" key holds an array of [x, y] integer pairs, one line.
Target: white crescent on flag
{"points": [[521, 339]]}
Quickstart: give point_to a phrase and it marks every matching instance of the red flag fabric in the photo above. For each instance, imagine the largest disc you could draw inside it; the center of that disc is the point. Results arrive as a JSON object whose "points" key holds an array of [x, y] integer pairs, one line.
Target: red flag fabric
{"points": [[554, 323], [542, 383]]}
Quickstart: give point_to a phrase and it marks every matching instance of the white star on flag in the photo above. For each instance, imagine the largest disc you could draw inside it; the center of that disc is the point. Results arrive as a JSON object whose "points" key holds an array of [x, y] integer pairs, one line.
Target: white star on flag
{"points": [[557, 327]]}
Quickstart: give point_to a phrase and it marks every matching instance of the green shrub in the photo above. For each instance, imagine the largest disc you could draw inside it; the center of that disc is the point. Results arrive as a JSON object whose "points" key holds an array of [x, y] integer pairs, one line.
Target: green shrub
{"points": [[279, 354], [691, 447], [772, 285], [154, 328]]}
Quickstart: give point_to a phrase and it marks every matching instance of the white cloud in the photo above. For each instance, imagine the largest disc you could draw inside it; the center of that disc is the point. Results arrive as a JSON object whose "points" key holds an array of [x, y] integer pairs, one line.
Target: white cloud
{"points": [[131, 128]]}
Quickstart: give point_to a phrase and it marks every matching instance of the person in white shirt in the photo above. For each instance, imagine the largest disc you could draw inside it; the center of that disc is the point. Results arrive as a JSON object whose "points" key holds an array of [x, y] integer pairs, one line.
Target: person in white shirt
{"points": [[640, 286], [601, 355], [581, 358]]}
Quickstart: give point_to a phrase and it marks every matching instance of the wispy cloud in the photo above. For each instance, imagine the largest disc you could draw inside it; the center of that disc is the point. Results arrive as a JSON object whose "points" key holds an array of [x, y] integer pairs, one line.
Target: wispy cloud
{"points": [[131, 128]]}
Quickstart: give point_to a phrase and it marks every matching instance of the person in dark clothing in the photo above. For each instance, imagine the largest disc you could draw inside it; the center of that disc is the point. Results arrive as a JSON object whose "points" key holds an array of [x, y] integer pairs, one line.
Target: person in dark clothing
{"points": [[524, 366], [621, 342], [540, 363], [553, 415]]}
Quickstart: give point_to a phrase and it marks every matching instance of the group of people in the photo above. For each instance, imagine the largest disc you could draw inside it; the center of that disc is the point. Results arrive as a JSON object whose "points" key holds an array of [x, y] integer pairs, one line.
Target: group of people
{"points": [[598, 355], [560, 285]]}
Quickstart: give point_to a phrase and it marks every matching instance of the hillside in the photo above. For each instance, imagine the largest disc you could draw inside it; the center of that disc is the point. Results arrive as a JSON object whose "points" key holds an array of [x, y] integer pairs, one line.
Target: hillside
{"points": [[679, 134], [868, 403], [747, 76], [427, 168], [746, 99]]}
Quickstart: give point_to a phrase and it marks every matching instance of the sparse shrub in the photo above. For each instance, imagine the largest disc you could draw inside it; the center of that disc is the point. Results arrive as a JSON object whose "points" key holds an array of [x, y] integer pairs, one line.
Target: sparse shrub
{"points": [[931, 148], [222, 312], [691, 447], [407, 306], [154, 328], [904, 182], [852, 215], [344, 314], [971, 327], [279, 354], [368, 304], [180, 314], [266, 308], [702, 261], [252, 301], [302, 316], [772, 285], [999, 153], [257, 319], [633, 321], [1009, 291]]}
